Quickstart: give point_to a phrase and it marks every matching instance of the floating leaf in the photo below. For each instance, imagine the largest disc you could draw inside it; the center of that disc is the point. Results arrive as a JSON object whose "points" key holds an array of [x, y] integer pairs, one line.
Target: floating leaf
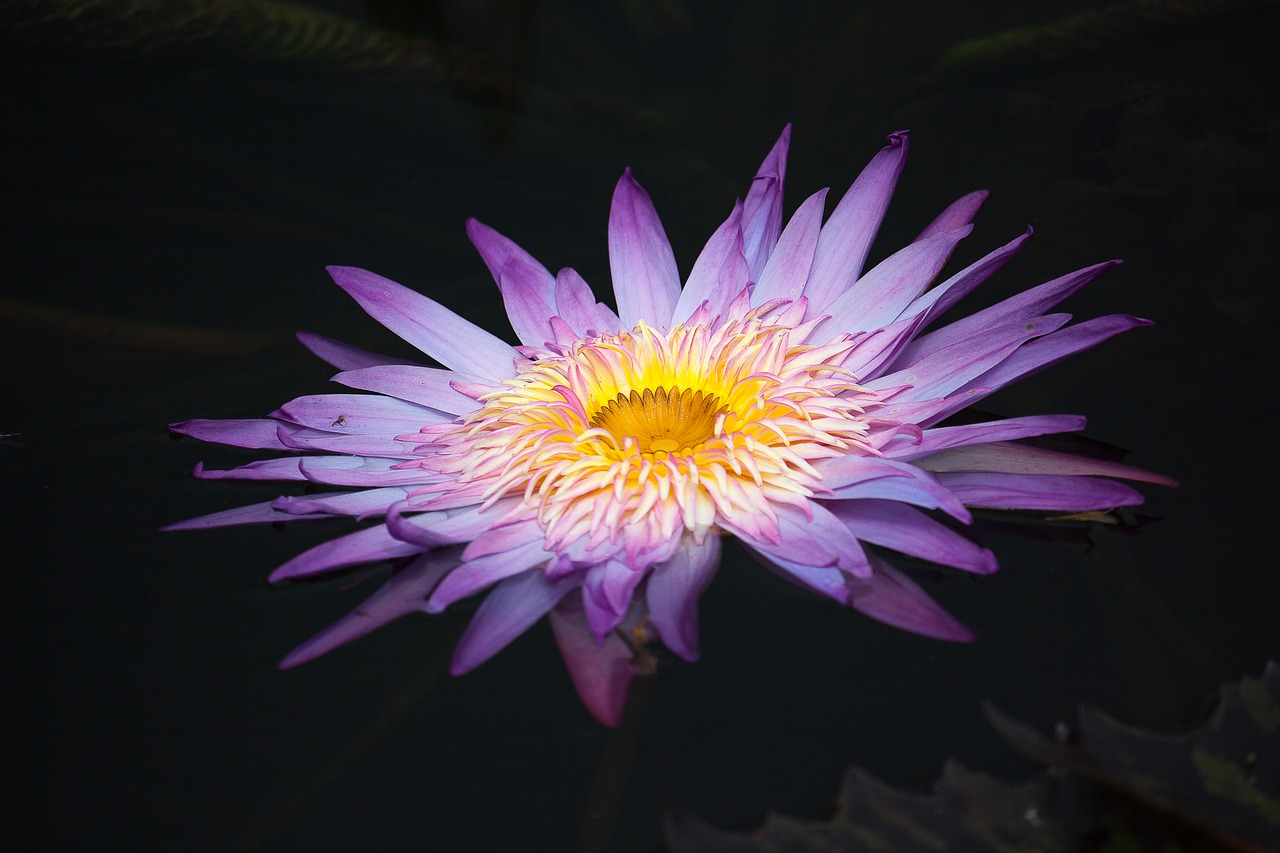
{"points": [[969, 811], [1222, 780], [1216, 788]]}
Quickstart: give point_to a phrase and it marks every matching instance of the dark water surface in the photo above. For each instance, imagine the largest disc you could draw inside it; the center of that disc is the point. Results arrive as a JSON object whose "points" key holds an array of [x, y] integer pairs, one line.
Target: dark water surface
{"points": [[173, 187]]}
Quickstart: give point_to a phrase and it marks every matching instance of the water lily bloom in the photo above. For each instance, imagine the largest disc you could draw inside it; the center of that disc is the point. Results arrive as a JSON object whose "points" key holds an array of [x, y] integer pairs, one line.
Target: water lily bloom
{"points": [[785, 396]]}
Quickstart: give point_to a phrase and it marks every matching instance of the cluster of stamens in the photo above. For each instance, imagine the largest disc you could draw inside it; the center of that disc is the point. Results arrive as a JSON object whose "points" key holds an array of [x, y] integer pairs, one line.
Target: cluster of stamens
{"points": [[661, 422], [636, 439]]}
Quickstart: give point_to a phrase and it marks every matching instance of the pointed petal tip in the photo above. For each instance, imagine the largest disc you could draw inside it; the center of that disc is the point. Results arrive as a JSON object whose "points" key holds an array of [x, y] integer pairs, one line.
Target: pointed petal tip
{"points": [[297, 657], [458, 667]]}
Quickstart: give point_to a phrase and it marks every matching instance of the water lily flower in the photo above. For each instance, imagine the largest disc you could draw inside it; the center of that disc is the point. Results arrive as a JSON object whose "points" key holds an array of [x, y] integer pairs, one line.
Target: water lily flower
{"points": [[785, 396]]}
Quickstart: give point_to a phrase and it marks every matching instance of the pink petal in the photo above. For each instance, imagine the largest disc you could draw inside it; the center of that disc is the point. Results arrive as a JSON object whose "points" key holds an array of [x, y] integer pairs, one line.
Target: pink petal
{"points": [[601, 672]]}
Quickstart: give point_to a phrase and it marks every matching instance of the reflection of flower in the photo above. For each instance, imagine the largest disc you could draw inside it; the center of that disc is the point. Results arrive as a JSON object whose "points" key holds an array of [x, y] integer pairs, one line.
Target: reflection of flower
{"points": [[783, 396]]}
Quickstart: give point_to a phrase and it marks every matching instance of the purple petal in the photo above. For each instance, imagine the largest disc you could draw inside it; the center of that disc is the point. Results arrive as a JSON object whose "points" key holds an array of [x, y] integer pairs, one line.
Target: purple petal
{"points": [[284, 468], [672, 594], [251, 514], [475, 575], [430, 387], [1028, 304], [879, 297], [1039, 355], [426, 386], [762, 210], [897, 526], [497, 251], [362, 471], [528, 289], [815, 539], [344, 356], [428, 325], [949, 369], [893, 598], [256, 433], [733, 280], [958, 214], [1060, 493], [601, 673], [606, 595], [506, 613], [942, 438], [704, 279], [305, 438], [787, 269], [881, 347], [861, 477], [433, 529], [498, 540], [1024, 459], [357, 414], [846, 238], [359, 505], [926, 411], [405, 592], [933, 303], [646, 282], [363, 546], [825, 580], [578, 306], [530, 302]]}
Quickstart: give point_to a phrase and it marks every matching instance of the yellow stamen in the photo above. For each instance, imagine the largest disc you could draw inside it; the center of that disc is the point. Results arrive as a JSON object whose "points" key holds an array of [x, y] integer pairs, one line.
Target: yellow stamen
{"points": [[660, 421]]}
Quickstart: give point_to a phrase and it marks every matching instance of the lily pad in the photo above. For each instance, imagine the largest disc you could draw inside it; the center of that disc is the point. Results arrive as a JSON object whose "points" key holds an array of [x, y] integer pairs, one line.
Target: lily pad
{"points": [[1124, 788]]}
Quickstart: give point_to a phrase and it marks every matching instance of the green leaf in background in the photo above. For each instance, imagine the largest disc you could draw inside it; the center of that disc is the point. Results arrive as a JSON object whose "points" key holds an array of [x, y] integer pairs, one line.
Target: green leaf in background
{"points": [[1125, 788]]}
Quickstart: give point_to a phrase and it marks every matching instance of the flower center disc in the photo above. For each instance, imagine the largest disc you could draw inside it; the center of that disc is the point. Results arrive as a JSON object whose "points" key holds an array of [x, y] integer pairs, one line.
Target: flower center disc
{"points": [[660, 421]]}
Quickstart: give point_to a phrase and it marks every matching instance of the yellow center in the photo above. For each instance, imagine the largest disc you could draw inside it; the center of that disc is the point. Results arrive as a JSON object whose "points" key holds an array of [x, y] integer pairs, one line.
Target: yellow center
{"points": [[660, 421]]}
